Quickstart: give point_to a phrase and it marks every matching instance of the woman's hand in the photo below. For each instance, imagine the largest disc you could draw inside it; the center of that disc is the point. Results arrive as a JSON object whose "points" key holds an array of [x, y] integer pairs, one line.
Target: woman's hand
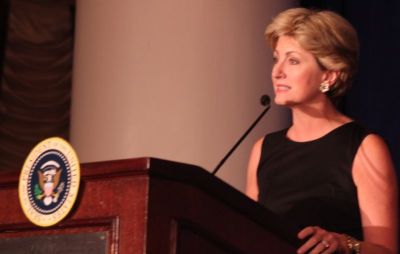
{"points": [[322, 241]]}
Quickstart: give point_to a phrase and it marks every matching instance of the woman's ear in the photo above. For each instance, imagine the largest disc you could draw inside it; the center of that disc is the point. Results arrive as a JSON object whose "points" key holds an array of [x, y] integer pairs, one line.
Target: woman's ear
{"points": [[330, 77]]}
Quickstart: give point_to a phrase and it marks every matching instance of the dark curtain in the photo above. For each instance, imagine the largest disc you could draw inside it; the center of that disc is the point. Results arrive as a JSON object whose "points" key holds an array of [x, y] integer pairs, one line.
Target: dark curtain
{"points": [[36, 77], [373, 99], [4, 9]]}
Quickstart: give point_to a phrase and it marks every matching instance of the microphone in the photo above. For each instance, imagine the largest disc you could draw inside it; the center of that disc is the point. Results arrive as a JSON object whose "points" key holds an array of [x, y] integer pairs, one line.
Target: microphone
{"points": [[265, 101]]}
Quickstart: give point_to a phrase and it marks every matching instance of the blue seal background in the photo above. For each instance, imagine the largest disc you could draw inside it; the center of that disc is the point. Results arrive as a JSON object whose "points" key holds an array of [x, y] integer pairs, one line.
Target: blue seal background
{"points": [[33, 180]]}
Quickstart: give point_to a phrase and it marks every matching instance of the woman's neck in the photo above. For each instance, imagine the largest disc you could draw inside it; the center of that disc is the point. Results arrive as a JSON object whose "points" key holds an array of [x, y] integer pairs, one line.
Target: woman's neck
{"points": [[314, 121]]}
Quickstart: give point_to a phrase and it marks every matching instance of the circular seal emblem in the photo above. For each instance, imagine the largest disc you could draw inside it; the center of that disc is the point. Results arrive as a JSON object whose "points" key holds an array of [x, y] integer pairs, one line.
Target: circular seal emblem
{"points": [[49, 182]]}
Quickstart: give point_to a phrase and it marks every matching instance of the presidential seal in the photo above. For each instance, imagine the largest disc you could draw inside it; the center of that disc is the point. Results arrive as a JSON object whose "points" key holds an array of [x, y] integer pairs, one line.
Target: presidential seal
{"points": [[49, 182]]}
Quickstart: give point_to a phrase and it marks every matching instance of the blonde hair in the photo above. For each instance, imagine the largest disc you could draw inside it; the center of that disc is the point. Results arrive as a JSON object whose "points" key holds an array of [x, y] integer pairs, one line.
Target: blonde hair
{"points": [[328, 36]]}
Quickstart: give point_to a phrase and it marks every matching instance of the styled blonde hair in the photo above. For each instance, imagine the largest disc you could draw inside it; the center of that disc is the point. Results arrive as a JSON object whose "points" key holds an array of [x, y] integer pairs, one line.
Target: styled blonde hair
{"points": [[329, 37]]}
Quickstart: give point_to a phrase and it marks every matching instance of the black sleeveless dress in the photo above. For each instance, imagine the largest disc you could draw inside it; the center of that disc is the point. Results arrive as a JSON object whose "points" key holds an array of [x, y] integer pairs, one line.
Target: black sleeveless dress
{"points": [[310, 183]]}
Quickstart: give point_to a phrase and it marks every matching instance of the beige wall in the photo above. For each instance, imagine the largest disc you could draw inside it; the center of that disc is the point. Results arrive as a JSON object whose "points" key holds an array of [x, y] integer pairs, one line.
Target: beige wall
{"points": [[176, 79]]}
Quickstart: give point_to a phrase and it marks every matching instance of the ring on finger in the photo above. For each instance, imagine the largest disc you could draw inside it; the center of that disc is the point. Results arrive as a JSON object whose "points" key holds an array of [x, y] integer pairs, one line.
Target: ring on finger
{"points": [[325, 244]]}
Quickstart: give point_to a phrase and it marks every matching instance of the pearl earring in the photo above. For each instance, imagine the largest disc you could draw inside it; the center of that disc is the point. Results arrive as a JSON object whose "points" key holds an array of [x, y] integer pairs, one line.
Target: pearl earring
{"points": [[324, 87]]}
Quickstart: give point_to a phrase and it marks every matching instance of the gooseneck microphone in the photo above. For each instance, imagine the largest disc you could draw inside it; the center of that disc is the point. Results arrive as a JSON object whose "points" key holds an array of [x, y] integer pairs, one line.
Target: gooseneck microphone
{"points": [[265, 101]]}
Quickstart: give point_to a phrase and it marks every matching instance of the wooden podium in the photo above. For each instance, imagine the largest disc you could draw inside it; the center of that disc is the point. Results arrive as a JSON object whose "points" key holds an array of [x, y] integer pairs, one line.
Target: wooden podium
{"points": [[149, 206]]}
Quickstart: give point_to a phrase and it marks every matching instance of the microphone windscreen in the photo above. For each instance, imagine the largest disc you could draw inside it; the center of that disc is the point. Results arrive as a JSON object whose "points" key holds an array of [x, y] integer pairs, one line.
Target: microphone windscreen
{"points": [[265, 100]]}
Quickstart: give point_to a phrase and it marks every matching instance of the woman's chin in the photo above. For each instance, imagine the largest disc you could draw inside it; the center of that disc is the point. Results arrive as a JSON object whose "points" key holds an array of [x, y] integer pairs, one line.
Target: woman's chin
{"points": [[280, 101], [283, 102]]}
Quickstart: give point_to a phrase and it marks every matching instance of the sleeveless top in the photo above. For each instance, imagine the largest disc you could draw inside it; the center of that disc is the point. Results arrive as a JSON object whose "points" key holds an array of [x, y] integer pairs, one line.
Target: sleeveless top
{"points": [[310, 183]]}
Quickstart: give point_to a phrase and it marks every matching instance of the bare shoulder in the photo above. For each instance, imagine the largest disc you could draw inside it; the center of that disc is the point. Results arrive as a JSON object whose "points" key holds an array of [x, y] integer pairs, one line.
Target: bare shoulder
{"points": [[255, 156], [258, 144], [374, 143], [373, 155], [251, 186]]}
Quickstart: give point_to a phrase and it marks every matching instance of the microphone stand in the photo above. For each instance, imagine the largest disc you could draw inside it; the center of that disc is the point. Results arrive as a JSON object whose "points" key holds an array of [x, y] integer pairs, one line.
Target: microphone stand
{"points": [[264, 101]]}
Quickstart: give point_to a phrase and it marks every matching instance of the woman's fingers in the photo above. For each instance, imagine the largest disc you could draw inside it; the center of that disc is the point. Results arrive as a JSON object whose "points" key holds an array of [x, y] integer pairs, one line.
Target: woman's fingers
{"points": [[319, 241], [321, 247], [306, 232]]}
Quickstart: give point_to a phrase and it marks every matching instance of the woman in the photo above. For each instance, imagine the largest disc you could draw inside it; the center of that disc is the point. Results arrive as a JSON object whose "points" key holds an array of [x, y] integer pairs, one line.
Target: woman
{"points": [[327, 174]]}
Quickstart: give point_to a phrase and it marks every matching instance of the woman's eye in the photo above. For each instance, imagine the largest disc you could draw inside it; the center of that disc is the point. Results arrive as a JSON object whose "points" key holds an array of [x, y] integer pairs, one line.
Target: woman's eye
{"points": [[293, 61], [274, 59]]}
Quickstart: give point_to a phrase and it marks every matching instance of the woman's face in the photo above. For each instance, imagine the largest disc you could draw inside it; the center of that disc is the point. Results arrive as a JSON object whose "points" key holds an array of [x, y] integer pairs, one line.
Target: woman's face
{"points": [[296, 75]]}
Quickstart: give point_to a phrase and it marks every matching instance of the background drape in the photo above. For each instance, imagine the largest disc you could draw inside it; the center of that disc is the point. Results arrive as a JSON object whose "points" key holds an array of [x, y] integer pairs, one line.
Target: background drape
{"points": [[4, 8], [36, 78]]}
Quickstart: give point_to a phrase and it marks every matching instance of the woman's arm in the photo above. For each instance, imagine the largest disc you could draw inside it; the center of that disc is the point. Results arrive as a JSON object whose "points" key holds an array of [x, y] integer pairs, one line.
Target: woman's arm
{"points": [[376, 181], [375, 178], [251, 186]]}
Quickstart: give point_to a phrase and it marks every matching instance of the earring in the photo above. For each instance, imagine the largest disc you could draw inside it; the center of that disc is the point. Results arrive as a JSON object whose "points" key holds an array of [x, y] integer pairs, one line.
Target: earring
{"points": [[324, 87]]}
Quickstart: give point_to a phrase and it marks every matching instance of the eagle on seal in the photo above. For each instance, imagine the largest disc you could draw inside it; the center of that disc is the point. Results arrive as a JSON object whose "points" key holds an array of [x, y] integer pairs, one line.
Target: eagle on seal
{"points": [[49, 181]]}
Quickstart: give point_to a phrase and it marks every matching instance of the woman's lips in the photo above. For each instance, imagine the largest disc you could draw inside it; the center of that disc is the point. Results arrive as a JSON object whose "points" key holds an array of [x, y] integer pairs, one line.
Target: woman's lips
{"points": [[282, 88]]}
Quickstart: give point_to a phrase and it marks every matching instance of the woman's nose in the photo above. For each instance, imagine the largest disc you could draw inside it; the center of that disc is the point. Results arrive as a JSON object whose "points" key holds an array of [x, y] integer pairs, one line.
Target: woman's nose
{"points": [[277, 71]]}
